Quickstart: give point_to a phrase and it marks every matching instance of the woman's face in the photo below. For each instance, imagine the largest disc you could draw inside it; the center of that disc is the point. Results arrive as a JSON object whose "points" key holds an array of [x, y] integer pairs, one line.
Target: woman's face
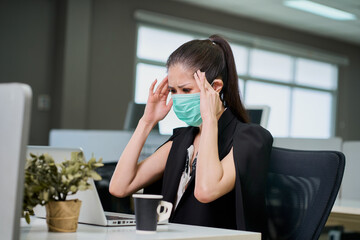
{"points": [[181, 80]]}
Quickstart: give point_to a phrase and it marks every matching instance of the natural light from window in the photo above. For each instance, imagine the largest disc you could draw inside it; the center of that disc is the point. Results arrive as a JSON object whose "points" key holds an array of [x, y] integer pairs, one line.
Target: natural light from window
{"points": [[300, 92]]}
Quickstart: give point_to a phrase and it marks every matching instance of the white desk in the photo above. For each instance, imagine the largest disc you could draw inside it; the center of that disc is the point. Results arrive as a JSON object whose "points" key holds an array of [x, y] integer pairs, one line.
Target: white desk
{"points": [[345, 213], [37, 230]]}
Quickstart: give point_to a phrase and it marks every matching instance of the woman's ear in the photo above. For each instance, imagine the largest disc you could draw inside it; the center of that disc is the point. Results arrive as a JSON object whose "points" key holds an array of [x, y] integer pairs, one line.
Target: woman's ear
{"points": [[217, 85]]}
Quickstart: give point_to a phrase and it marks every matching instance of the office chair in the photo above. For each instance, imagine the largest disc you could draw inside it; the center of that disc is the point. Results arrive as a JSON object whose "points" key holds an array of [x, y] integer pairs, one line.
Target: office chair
{"points": [[301, 190]]}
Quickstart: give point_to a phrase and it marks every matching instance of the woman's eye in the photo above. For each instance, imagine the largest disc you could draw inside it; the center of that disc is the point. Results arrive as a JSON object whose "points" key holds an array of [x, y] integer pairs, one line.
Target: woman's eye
{"points": [[172, 90], [186, 90]]}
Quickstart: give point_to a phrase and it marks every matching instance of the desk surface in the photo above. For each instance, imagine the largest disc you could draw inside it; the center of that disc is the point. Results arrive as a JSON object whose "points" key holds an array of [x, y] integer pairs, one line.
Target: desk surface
{"points": [[347, 206], [345, 213], [37, 230]]}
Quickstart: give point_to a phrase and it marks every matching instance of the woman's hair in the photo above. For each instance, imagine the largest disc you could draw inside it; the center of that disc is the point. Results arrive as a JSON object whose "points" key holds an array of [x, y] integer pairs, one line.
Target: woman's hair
{"points": [[214, 57]]}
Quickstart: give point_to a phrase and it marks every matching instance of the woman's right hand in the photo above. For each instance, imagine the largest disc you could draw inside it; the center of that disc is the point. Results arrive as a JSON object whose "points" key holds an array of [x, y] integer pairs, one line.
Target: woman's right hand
{"points": [[130, 175], [156, 108]]}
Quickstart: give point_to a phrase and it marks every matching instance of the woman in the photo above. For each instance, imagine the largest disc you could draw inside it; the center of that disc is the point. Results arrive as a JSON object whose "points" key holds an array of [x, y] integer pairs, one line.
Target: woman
{"points": [[214, 171]]}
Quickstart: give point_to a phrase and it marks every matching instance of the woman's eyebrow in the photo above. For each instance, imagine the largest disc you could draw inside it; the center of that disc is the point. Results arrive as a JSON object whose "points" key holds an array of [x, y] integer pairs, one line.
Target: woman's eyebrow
{"points": [[179, 86]]}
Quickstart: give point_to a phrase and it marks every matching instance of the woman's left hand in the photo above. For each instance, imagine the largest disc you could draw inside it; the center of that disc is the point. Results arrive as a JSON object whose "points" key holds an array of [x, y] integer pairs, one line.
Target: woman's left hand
{"points": [[210, 103]]}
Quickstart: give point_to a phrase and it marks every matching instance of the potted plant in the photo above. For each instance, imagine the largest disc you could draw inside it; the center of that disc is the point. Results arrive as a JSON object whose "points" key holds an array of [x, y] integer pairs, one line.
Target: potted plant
{"points": [[49, 183]]}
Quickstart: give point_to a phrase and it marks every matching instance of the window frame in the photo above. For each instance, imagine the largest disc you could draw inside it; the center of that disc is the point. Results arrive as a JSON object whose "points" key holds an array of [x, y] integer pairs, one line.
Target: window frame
{"points": [[247, 77]]}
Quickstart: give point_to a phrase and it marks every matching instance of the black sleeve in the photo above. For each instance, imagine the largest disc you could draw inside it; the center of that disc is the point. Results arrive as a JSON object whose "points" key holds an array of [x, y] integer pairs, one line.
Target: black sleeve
{"points": [[252, 148], [156, 187], [176, 132]]}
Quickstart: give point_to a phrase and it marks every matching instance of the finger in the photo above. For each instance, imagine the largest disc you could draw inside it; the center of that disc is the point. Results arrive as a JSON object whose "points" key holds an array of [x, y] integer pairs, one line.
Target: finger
{"points": [[163, 82], [202, 78], [166, 91], [165, 87], [164, 94], [207, 86], [169, 105], [198, 81], [206, 83], [151, 89]]}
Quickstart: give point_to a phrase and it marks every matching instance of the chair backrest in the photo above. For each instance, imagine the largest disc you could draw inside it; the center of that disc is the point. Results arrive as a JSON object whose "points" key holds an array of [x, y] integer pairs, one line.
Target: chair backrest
{"points": [[302, 188]]}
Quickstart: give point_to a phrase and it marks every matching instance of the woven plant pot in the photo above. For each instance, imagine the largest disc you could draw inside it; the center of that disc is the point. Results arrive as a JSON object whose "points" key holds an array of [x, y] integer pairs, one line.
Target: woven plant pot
{"points": [[62, 216]]}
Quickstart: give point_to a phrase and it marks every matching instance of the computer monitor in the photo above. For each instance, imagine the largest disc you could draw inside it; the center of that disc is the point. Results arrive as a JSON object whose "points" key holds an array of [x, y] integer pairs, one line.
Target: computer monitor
{"points": [[259, 114], [15, 107], [133, 114]]}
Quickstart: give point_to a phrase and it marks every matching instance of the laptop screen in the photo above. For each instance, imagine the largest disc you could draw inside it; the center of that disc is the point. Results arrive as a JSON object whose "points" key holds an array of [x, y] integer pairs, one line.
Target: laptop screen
{"points": [[109, 202]]}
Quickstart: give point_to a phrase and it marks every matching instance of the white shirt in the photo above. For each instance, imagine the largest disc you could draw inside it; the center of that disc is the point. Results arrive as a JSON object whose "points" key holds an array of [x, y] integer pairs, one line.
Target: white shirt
{"points": [[186, 175]]}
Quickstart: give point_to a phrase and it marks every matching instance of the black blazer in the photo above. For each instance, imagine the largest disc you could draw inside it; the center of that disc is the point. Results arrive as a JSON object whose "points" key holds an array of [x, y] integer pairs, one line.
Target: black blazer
{"points": [[244, 207]]}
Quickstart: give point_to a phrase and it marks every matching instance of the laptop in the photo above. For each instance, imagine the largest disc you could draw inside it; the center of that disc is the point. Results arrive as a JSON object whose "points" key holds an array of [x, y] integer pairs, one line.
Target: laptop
{"points": [[91, 211], [15, 111]]}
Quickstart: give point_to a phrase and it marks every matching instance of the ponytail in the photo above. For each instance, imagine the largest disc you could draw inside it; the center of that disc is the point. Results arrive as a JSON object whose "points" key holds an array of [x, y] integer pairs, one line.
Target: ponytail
{"points": [[214, 57], [230, 92]]}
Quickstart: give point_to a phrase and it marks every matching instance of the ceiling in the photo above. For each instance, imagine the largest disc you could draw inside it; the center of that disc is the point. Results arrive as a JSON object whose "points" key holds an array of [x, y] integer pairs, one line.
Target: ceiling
{"points": [[275, 12]]}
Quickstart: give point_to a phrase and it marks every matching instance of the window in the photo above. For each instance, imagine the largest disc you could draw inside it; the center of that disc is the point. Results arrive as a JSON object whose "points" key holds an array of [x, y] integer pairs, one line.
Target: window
{"points": [[316, 74], [151, 60], [277, 98], [156, 44], [145, 75], [300, 92], [269, 65], [311, 113], [240, 56]]}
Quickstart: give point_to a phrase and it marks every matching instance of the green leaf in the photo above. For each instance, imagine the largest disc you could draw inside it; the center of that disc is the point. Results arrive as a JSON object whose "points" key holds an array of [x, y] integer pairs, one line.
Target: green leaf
{"points": [[92, 161], [73, 188], [46, 195], [95, 175], [82, 187], [46, 180], [77, 175], [27, 217], [99, 164]]}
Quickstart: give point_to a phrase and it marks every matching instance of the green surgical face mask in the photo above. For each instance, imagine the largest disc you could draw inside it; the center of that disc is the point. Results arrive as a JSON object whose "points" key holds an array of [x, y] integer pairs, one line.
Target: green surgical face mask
{"points": [[187, 108]]}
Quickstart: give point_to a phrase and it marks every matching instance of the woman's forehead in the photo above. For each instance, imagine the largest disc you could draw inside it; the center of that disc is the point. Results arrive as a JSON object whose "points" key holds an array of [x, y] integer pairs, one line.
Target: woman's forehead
{"points": [[178, 74]]}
